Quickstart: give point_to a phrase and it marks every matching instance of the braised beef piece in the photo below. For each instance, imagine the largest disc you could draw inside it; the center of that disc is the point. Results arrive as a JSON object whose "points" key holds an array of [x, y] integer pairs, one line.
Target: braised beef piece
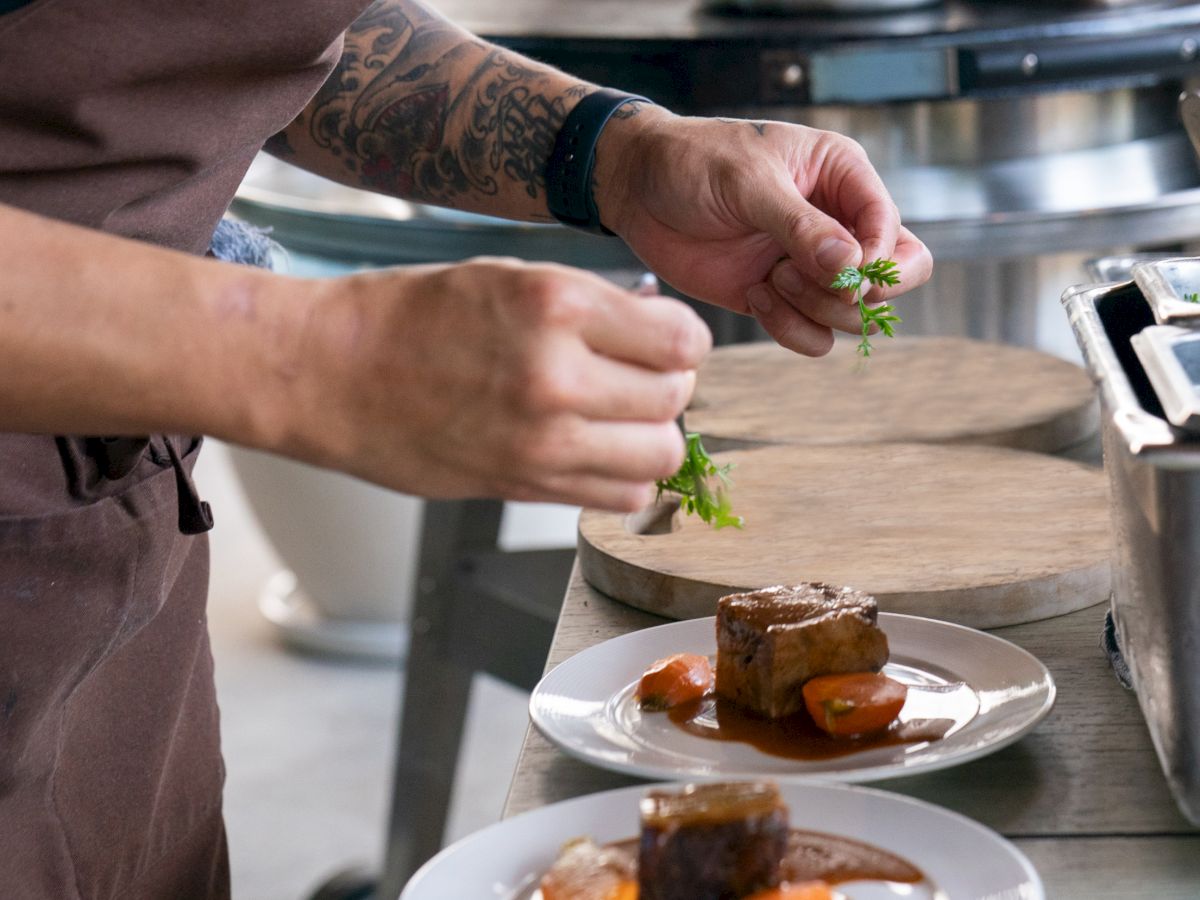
{"points": [[711, 842], [770, 642]]}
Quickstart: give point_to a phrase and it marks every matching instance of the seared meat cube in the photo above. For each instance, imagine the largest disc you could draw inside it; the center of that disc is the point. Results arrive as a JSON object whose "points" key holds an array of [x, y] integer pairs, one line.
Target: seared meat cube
{"points": [[770, 642], [711, 842]]}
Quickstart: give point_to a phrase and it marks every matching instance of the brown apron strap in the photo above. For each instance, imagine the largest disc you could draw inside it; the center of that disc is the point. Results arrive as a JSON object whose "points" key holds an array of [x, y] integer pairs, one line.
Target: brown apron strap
{"points": [[195, 516], [117, 456]]}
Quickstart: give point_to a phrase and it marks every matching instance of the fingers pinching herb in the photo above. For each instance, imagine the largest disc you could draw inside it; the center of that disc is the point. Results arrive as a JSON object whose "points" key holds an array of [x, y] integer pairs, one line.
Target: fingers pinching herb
{"points": [[882, 272], [701, 485]]}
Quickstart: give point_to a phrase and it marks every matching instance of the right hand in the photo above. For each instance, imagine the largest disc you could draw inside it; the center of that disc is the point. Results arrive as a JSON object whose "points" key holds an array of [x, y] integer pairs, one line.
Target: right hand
{"points": [[714, 205], [494, 378]]}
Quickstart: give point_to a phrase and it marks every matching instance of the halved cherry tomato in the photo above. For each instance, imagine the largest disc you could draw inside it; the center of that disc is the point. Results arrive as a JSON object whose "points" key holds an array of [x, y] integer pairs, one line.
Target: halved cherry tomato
{"points": [[856, 703], [674, 680], [809, 890]]}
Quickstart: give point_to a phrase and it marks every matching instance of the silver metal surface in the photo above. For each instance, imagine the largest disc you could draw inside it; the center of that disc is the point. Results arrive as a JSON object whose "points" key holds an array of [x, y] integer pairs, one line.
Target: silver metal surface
{"points": [[1106, 269], [983, 131], [1189, 113], [1172, 288], [1154, 473], [669, 50], [1162, 349], [675, 20]]}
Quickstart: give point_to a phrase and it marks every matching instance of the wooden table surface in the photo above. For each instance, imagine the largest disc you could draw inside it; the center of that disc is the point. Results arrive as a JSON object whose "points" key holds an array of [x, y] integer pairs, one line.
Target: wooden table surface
{"points": [[1082, 795]]}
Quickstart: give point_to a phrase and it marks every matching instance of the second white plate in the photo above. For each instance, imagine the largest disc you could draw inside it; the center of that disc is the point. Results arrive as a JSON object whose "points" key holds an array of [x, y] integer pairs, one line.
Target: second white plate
{"points": [[586, 706], [961, 859]]}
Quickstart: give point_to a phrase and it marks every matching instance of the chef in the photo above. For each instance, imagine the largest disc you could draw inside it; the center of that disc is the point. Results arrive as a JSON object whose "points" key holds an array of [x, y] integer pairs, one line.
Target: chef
{"points": [[125, 127]]}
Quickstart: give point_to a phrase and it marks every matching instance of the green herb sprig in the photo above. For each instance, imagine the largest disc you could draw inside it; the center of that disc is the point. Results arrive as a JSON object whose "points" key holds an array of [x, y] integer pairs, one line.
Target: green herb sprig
{"points": [[882, 272], [702, 486]]}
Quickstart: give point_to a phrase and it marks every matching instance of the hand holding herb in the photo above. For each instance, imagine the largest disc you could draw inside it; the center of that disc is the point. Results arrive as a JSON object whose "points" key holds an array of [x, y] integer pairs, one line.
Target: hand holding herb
{"points": [[882, 272], [701, 485]]}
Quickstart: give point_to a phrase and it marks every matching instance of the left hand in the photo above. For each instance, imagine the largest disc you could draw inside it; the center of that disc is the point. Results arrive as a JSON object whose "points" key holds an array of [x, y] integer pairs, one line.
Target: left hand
{"points": [[713, 205]]}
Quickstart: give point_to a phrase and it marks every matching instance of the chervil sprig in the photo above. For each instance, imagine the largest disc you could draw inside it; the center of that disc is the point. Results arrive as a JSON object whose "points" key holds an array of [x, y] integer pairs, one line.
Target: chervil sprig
{"points": [[701, 485], [882, 272]]}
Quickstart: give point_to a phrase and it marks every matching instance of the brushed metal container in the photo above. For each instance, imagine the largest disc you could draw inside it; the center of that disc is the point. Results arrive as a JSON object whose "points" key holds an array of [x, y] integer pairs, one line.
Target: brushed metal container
{"points": [[1154, 475]]}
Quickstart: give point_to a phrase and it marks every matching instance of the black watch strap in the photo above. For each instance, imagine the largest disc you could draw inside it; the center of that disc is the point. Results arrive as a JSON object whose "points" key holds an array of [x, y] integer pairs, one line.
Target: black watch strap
{"points": [[569, 169]]}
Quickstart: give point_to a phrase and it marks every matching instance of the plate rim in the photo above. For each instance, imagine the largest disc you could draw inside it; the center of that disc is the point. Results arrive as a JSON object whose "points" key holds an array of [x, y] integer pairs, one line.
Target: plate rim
{"points": [[636, 790], [850, 776]]}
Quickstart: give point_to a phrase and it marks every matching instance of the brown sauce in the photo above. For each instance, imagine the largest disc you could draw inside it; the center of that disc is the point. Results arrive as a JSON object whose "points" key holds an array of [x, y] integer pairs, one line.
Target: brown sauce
{"points": [[814, 855], [795, 736]]}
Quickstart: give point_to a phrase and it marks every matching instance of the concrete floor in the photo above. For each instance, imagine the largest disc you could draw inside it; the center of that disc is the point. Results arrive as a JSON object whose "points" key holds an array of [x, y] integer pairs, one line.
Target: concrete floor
{"points": [[309, 742]]}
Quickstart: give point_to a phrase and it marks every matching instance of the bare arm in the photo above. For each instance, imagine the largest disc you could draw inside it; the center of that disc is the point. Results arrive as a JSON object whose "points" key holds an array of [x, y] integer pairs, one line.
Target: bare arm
{"points": [[102, 335], [419, 108], [489, 378]]}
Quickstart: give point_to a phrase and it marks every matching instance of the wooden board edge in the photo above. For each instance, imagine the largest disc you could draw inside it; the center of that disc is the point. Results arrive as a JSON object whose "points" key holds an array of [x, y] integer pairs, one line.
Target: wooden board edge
{"points": [[1002, 605], [672, 596], [992, 606]]}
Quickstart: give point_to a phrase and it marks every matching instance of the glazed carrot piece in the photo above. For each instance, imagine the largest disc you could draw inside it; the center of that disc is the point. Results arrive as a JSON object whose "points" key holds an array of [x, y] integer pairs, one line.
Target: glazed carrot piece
{"points": [[856, 703], [674, 680], [606, 890], [809, 890], [587, 871]]}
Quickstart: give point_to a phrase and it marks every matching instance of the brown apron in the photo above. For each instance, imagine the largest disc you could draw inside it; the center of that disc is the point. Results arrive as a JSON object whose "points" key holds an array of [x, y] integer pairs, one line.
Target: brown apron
{"points": [[137, 117], [110, 769]]}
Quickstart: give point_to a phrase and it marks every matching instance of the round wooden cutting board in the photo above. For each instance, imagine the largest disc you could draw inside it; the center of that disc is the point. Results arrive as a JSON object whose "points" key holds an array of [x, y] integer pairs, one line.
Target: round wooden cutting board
{"points": [[982, 536], [946, 390]]}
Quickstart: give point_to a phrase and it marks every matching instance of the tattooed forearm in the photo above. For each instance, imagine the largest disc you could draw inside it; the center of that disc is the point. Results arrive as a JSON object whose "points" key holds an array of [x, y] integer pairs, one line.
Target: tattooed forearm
{"points": [[423, 110]]}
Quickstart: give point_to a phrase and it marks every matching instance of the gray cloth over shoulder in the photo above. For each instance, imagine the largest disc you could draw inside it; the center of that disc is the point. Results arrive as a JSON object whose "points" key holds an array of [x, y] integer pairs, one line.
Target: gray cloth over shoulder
{"points": [[236, 241]]}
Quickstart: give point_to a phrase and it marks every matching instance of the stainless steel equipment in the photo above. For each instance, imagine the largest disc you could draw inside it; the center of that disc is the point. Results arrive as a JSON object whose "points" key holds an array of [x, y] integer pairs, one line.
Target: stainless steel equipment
{"points": [[1154, 472]]}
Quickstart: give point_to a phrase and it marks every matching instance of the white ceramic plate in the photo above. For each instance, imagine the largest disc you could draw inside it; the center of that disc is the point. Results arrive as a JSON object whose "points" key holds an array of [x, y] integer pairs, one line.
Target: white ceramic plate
{"points": [[586, 706], [961, 859]]}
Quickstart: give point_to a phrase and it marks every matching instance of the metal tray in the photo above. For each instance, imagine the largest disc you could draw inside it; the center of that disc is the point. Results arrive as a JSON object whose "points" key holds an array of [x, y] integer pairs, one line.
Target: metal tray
{"points": [[1154, 474]]}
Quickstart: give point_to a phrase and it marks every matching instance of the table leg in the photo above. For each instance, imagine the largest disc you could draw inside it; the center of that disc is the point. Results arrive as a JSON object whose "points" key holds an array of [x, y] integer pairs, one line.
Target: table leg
{"points": [[436, 689]]}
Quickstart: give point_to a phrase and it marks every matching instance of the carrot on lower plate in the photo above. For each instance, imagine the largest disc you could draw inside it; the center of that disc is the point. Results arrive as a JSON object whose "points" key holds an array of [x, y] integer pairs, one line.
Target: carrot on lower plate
{"points": [[585, 870], [855, 703], [674, 680], [809, 890]]}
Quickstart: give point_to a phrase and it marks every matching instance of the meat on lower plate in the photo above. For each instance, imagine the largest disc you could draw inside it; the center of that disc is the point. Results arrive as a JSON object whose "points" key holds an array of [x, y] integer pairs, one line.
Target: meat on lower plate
{"points": [[711, 841]]}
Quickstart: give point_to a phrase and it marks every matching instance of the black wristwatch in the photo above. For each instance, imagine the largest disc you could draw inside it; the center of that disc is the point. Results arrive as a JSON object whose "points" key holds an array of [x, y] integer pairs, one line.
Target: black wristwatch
{"points": [[569, 169]]}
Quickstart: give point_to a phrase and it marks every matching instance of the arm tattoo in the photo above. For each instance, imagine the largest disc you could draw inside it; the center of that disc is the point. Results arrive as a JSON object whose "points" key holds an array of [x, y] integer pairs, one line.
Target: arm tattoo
{"points": [[422, 110], [760, 127]]}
